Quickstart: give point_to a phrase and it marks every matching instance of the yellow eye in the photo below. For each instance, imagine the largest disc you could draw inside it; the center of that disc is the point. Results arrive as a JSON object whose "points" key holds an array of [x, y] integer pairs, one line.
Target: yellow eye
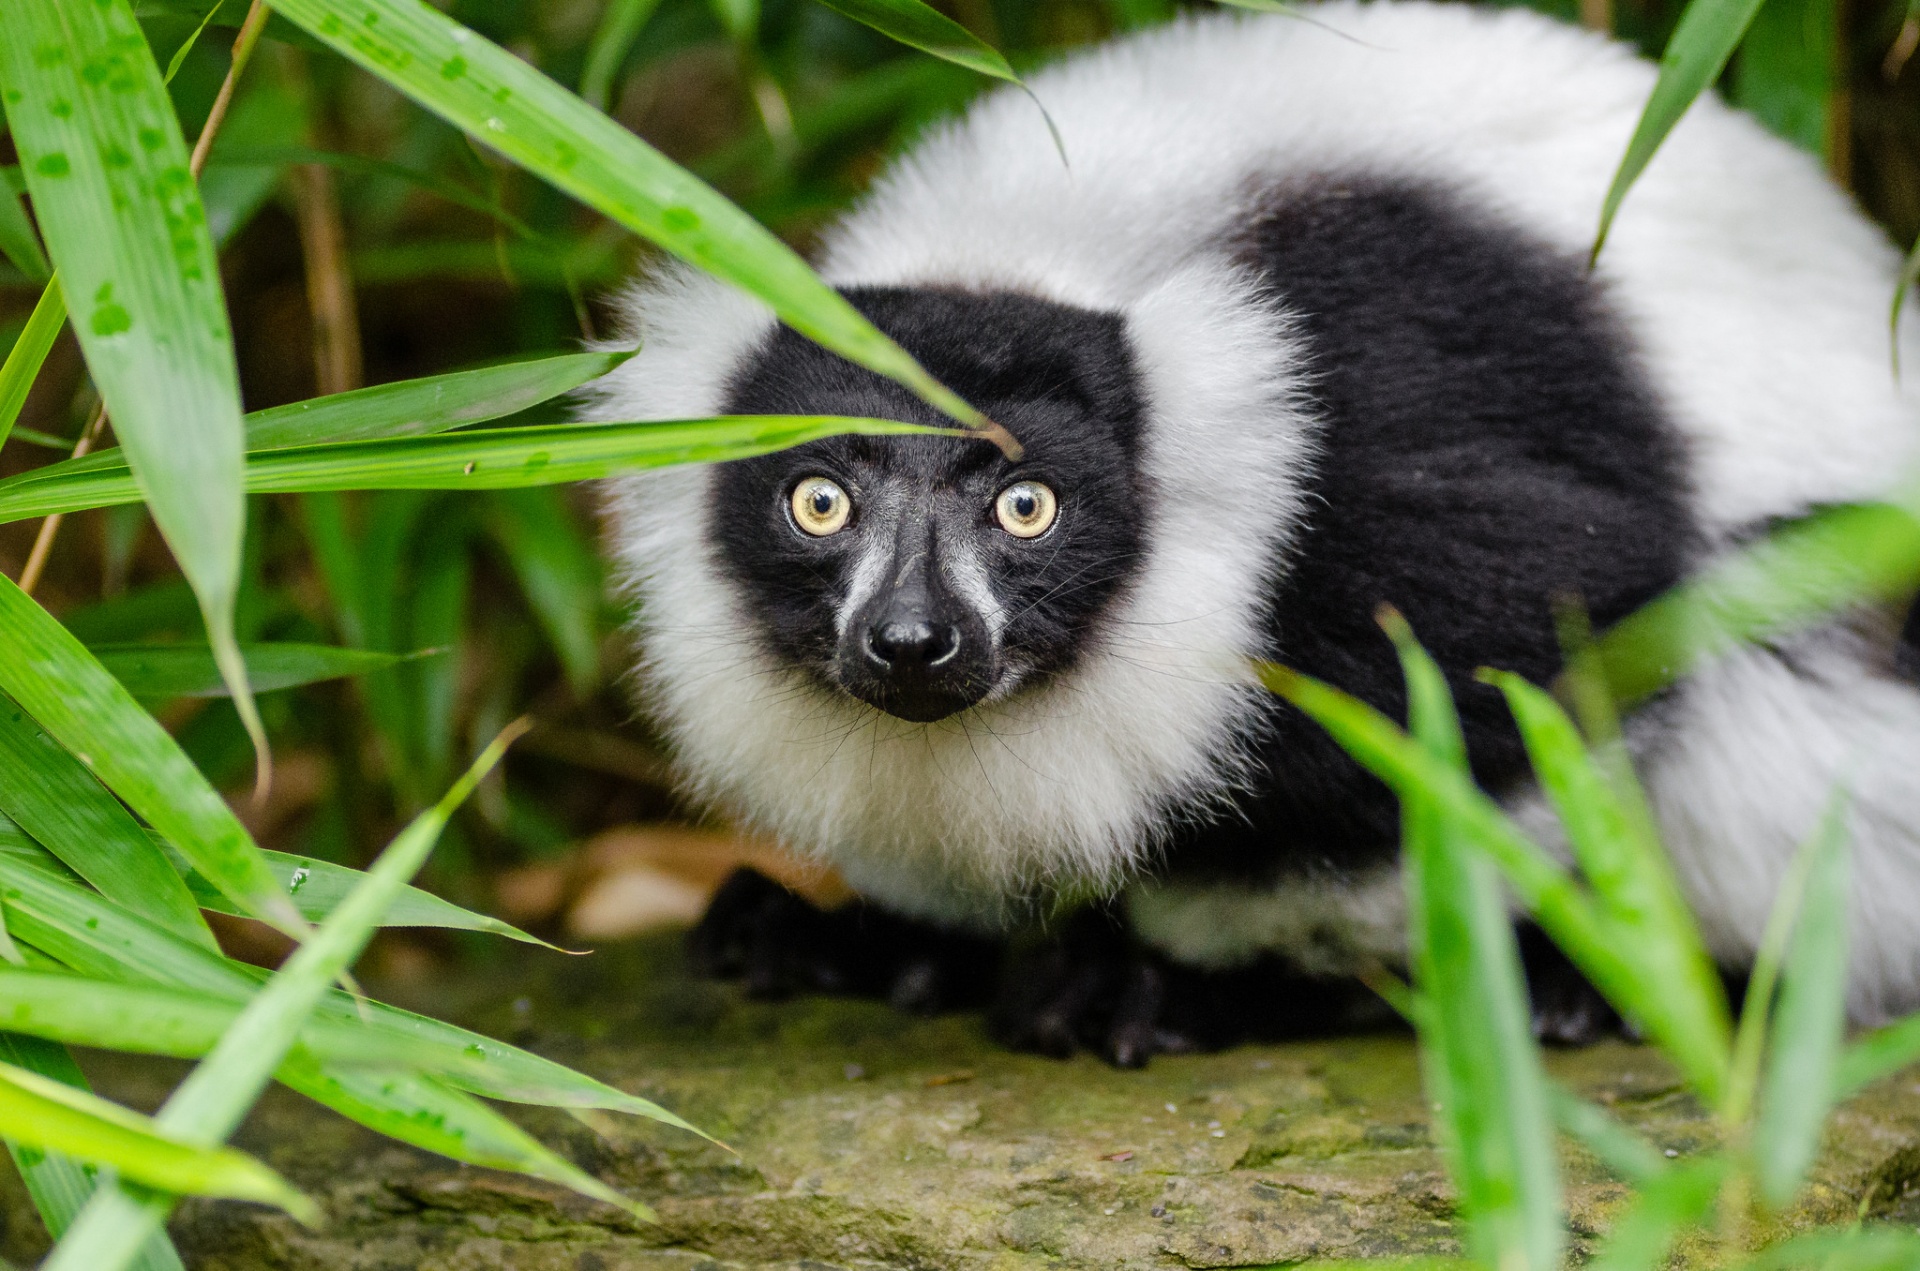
{"points": [[1025, 509], [820, 507]]}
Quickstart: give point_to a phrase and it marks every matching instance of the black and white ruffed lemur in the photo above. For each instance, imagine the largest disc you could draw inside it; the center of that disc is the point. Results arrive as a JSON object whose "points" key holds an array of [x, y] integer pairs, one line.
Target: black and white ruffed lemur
{"points": [[1306, 327]]}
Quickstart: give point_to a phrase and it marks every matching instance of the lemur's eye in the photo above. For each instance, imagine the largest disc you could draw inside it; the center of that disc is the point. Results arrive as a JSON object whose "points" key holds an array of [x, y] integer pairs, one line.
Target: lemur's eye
{"points": [[820, 507], [1025, 509]]}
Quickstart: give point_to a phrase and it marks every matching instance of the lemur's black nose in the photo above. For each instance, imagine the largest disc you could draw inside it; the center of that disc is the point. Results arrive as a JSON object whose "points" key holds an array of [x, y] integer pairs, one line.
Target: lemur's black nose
{"points": [[912, 644]]}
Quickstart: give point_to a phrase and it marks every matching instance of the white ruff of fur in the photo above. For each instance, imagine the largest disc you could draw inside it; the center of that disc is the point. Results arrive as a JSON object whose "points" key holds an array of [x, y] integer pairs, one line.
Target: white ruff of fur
{"points": [[1065, 783]]}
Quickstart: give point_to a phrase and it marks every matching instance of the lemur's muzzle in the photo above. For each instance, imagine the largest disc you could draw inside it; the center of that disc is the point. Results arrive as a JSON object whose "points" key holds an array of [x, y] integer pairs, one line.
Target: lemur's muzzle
{"points": [[916, 650]]}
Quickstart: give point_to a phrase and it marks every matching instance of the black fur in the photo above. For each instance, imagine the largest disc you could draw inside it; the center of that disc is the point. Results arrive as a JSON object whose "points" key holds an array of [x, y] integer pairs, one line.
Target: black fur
{"points": [[1490, 446], [1060, 378]]}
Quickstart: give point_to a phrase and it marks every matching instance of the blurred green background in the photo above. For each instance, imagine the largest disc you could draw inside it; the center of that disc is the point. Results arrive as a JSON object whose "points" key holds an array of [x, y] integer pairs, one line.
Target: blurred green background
{"points": [[365, 241]]}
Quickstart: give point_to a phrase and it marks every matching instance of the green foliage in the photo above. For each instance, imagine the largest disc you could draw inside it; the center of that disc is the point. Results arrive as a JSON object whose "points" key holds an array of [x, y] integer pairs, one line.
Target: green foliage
{"points": [[412, 539]]}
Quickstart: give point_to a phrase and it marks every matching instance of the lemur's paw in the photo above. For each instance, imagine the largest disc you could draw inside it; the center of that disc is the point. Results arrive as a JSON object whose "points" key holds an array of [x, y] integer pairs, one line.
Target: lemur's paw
{"points": [[779, 944], [1088, 989], [1567, 1010]]}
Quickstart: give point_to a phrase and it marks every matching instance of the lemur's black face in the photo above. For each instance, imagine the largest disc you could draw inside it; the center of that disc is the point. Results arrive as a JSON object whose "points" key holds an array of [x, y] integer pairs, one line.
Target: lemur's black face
{"points": [[923, 575]]}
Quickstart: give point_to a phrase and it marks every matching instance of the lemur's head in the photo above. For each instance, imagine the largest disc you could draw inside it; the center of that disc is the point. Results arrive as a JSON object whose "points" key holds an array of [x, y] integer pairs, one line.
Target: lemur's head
{"points": [[924, 575], [959, 678]]}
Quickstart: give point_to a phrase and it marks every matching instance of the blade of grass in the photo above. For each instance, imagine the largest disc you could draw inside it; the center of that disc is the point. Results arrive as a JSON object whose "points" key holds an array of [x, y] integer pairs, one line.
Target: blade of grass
{"points": [[1487, 1088], [1880, 1053], [1622, 860], [18, 242], [442, 1119], [1547, 891], [52, 796], [490, 459], [54, 1116], [558, 572], [1809, 1024], [58, 1184], [79, 702], [612, 40], [94, 936], [506, 104], [1662, 1209], [29, 351], [104, 158], [209, 1104], [1787, 581], [160, 671], [317, 886], [1708, 33], [1621, 1150]]}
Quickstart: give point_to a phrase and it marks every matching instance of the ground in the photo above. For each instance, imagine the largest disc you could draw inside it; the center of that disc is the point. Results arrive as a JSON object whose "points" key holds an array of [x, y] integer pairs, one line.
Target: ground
{"points": [[871, 1139]]}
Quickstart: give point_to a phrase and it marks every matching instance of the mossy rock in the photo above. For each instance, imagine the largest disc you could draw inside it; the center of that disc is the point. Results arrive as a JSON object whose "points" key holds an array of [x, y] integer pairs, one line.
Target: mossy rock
{"points": [[867, 1138]]}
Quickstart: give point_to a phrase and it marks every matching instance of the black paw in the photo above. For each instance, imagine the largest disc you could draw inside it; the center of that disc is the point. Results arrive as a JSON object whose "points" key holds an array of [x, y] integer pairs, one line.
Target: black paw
{"points": [[1567, 1010], [779, 944], [1087, 988]]}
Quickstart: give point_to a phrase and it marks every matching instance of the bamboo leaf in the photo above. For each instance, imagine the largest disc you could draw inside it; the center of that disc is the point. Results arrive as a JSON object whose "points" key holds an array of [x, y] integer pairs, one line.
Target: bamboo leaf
{"points": [[96, 937], [87, 711], [29, 352], [1614, 842], [492, 459], [1881, 1053], [52, 1115], [1708, 33], [1486, 1085], [160, 671], [1809, 1024], [208, 1106], [317, 886], [53, 796], [1786, 71], [920, 26], [430, 1114], [18, 242], [103, 156], [479, 87], [1561, 907]]}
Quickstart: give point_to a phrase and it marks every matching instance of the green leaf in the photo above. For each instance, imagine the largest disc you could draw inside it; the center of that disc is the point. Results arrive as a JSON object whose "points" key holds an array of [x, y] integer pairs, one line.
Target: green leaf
{"points": [[1786, 71], [161, 671], [481, 88], [1709, 31], [1663, 1208], [430, 1114], [559, 573], [29, 351], [94, 936], [492, 459], [18, 242], [1564, 910], [920, 26], [1621, 1150], [317, 886], [53, 1115], [1809, 1024], [87, 711], [268, 113], [53, 796], [1787, 581], [103, 156], [1880, 1053], [58, 1184], [1483, 1070], [209, 1105], [1614, 841], [1878, 1248], [613, 39]]}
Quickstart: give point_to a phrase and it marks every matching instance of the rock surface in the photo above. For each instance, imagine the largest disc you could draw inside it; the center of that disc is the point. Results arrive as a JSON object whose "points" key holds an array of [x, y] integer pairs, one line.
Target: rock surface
{"points": [[868, 1138]]}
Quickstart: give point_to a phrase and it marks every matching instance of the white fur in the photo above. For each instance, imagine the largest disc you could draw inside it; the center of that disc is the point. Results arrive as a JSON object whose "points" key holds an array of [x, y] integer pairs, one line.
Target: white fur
{"points": [[1756, 293], [1327, 925]]}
